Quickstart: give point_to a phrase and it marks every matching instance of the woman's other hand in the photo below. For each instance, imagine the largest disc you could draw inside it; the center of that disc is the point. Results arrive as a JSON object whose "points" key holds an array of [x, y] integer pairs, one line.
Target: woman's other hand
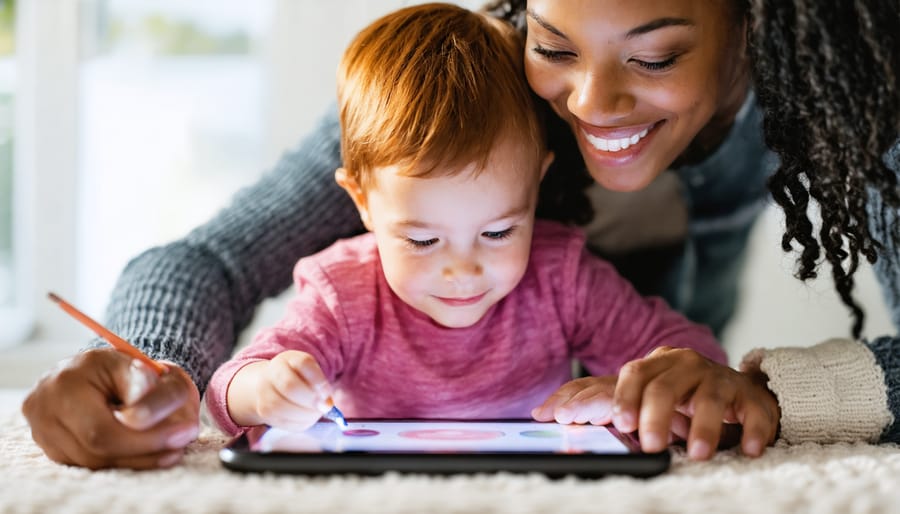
{"points": [[653, 392], [102, 409]]}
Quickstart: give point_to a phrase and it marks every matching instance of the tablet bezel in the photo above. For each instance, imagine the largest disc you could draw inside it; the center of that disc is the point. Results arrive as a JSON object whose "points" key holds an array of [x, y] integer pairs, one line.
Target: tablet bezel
{"points": [[238, 456]]}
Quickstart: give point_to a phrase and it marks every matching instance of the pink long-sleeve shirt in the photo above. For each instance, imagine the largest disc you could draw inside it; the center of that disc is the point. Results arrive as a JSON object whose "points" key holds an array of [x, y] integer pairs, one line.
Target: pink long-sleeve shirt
{"points": [[389, 360]]}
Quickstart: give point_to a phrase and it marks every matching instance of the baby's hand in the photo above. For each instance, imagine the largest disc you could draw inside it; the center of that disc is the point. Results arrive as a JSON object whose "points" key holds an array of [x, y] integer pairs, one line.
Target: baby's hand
{"points": [[583, 400], [290, 392]]}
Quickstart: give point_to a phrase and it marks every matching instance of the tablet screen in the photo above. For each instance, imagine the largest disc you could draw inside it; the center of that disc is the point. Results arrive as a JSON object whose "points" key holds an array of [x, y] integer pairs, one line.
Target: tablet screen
{"points": [[440, 437]]}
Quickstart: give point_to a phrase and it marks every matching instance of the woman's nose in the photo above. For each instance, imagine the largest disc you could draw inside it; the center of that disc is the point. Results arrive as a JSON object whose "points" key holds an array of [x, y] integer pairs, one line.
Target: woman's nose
{"points": [[601, 97]]}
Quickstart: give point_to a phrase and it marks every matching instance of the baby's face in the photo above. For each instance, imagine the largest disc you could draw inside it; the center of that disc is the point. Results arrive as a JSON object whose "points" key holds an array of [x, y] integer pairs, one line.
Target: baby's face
{"points": [[452, 246]]}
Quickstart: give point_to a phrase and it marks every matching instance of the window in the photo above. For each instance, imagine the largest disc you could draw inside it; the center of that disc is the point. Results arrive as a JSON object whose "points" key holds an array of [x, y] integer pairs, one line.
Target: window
{"points": [[135, 121], [171, 124], [11, 326]]}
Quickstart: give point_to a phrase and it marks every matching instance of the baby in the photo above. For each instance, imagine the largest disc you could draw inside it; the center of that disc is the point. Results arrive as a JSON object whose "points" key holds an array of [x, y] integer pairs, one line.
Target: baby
{"points": [[457, 303]]}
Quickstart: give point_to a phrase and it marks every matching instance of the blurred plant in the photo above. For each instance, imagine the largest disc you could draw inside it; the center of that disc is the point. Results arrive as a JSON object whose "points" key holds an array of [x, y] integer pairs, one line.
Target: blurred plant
{"points": [[167, 36], [7, 26]]}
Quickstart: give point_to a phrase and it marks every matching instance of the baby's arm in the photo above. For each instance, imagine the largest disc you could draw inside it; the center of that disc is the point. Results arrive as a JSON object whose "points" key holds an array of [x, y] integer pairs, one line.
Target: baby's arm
{"points": [[283, 377]]}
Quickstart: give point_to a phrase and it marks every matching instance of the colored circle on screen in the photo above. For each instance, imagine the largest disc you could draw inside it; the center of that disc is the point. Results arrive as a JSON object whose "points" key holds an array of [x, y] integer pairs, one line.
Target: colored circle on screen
{"points": [[540, 434], [450, 434], [360, 432]]}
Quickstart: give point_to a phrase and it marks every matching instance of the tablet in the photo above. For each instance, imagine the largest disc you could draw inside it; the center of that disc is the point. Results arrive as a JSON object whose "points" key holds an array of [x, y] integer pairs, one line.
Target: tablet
{"points": [[442, 447]]}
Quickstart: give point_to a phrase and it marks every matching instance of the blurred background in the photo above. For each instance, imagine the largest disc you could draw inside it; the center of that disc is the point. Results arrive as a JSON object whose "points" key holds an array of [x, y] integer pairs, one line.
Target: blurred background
{"points": [[125, 123]]}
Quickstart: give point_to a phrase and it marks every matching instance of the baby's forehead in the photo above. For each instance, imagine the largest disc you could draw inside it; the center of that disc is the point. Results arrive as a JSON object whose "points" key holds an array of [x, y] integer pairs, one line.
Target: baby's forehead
{"points": [[511, 152]]}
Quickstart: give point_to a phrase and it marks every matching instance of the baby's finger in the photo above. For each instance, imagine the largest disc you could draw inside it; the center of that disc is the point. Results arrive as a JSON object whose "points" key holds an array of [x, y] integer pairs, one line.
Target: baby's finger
{"points": [[591, 403], [297, 419], [305, 365], [546, 410], [294, 388]]}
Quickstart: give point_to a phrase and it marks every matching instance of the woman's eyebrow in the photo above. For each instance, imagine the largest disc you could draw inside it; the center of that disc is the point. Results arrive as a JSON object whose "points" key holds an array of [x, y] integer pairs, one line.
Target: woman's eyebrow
{"points": [[635, 32], [658, 24], [544, 23]]}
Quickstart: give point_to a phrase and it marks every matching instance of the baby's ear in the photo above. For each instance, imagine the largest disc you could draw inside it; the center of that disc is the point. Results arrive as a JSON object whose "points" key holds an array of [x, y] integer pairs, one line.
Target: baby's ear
{"points": [[545, 164], [351, 186]]}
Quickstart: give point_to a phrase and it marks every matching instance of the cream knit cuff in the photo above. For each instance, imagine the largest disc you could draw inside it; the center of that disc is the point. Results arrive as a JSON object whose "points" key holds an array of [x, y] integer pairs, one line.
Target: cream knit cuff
{"points": [[833, 391]]}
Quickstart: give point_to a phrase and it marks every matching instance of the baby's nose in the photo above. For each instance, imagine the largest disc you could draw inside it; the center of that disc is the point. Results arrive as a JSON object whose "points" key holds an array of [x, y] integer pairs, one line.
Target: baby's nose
{"points": [[462, 272]]}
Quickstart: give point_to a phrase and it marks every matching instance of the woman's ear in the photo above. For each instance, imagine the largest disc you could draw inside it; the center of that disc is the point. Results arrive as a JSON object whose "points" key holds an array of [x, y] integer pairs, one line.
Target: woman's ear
{"points": [[351, 186]]}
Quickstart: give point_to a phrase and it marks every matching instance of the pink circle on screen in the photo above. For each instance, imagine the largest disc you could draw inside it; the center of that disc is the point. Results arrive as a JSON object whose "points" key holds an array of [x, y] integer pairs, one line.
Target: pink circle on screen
{"points": [[450, 434], [360, 432]]}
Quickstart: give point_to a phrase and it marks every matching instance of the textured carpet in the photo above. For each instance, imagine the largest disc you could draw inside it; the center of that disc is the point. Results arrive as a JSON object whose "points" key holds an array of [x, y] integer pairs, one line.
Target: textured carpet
{"points": [[806, 478]]}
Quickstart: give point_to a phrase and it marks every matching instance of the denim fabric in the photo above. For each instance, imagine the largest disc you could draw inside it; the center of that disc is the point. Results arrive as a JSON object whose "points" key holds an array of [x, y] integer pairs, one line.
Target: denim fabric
{"points": [[725, 195]]}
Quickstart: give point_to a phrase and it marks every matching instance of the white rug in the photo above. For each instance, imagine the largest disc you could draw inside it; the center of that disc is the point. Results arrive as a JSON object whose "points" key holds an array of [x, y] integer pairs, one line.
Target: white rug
{"points": [[808, 478]]}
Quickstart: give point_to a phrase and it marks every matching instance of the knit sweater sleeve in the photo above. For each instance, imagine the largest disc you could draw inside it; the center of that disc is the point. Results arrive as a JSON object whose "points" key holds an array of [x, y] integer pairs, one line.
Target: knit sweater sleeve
{"points": [[188, 301], [844, 390]]}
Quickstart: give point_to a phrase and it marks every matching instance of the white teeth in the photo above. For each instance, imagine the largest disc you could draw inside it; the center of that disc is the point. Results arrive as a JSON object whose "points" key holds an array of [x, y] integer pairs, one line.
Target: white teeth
{"points": [[615, 145]]}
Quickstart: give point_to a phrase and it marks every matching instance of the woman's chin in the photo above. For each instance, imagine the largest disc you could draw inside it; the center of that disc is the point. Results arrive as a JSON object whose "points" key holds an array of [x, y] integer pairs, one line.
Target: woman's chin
{"points": [[623, 180]]}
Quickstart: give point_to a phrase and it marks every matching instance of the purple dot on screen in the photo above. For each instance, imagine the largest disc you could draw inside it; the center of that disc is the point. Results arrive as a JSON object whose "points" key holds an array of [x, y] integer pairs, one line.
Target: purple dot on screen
{"points": [[360, 432]]}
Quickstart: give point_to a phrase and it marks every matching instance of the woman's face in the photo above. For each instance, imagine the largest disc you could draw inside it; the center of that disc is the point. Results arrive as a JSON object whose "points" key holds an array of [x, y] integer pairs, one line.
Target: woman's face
{"points": [[636, 80]]}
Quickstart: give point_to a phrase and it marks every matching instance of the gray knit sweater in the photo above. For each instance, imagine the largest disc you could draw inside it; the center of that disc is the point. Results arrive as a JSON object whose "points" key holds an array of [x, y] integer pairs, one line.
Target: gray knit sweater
{"points": [[188, 301]]}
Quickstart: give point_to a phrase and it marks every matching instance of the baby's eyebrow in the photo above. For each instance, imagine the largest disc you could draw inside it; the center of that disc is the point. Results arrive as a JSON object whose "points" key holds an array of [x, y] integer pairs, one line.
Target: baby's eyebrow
{"points": [[412, 224]]}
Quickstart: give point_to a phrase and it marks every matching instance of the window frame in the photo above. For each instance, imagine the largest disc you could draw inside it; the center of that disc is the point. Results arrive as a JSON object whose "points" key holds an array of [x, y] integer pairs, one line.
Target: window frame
{"points": [[44, 182]]}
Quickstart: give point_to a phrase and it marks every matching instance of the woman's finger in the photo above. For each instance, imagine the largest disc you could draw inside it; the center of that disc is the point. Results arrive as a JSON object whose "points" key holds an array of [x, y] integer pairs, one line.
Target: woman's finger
{"points": [[708, 404], [633, 378], [173, 392]]}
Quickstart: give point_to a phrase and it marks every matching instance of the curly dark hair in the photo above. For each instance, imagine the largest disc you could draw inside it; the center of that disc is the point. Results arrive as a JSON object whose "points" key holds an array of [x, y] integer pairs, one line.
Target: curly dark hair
{"points": [[826, 78], [826, 75]]}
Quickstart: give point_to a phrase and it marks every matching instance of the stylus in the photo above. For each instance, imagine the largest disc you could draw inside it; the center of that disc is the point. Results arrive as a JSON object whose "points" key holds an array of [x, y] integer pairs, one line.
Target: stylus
{"points": [[337, 416]]}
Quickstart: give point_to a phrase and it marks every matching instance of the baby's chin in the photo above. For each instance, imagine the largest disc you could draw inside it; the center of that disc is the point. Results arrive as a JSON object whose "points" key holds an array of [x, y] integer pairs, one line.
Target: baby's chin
{"points": [[459, 317]]}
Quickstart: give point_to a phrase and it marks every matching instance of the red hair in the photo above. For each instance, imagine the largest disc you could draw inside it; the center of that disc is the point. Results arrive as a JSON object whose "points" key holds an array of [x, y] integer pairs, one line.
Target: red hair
{"points": [[432, 88]]}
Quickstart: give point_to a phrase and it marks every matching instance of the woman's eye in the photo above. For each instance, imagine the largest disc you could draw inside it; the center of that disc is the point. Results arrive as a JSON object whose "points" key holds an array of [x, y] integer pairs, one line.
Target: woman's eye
{"points": [[552, 55], [420, 243], [656, 65], [500, 234]]}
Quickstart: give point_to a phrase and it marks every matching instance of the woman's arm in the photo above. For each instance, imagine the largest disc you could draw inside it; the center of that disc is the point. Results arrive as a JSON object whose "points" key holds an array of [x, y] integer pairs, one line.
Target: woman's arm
{"points": [[844, 390], [838, 390], [188, 301]]}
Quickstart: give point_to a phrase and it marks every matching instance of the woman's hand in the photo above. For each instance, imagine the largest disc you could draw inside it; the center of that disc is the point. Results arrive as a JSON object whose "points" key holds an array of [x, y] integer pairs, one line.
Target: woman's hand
{"points": [[652, 392], [103, 410], [672, 394], [290, 391]]}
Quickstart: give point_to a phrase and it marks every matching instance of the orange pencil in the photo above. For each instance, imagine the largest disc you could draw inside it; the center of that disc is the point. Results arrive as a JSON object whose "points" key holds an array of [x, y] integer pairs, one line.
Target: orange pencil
{"points": [[117, 342]]}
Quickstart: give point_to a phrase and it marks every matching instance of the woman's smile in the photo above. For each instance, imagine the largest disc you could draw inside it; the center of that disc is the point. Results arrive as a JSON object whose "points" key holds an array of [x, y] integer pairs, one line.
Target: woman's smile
{"points": [[615, 146]]}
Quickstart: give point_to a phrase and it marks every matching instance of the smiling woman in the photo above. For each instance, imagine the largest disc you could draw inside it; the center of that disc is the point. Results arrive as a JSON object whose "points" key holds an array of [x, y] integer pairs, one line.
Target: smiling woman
{"points": [[642, 89]]}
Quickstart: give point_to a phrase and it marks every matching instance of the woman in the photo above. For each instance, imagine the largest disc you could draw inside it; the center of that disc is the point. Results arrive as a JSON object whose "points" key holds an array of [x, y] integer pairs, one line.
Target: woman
{"points": [[643, 87]]}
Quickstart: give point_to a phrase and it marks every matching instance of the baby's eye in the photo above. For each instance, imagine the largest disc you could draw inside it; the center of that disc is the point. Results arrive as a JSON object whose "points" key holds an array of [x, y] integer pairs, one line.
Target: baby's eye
{"points": [[417, 243], [500, 234]]}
